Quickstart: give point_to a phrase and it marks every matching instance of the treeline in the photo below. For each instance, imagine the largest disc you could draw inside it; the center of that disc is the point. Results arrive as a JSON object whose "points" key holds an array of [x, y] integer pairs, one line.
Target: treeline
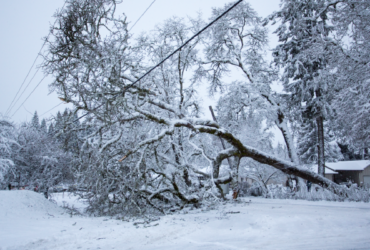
{"points": [[40, 155]]}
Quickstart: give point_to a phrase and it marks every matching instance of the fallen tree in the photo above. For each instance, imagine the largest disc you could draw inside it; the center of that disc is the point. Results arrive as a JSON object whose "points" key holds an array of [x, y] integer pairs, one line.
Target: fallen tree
{"points": [[145, 147]]}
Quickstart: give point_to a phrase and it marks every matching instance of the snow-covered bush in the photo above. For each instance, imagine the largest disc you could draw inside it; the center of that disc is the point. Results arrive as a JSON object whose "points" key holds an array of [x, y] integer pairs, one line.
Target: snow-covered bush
{"points": [[318, 193], [7, 144], [38, 159]]}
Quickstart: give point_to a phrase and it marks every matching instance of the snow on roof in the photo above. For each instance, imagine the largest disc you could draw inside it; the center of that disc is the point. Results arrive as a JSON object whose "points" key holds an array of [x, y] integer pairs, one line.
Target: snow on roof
{"points": [[348, 165], [327, 170]]}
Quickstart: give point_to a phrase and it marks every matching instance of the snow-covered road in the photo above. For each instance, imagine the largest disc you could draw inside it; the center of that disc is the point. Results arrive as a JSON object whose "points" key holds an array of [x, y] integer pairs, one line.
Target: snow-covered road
{"points": [[29, 221]]}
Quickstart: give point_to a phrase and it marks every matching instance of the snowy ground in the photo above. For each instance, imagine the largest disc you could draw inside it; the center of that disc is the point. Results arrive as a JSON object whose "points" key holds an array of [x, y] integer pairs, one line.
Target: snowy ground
{"points": [[29, 221]]}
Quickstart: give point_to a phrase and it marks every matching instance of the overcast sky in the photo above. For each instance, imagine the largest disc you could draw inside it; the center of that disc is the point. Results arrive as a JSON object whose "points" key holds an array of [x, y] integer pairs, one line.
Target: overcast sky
{"points": [[24, 23]]}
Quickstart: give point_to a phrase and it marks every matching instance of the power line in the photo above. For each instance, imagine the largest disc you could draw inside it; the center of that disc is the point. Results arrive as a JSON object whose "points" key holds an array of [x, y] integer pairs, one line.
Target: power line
{"points": [[103, 103], [197, 34], [27, 110], [29, 71], [12, 106], [33, 64], [141, 16], [51, 109], [28, 96], [182, 46]]}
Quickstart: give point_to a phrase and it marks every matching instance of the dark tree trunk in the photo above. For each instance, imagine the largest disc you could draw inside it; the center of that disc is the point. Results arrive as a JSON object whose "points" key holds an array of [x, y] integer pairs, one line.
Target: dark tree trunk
{"points": [[320, 145]]}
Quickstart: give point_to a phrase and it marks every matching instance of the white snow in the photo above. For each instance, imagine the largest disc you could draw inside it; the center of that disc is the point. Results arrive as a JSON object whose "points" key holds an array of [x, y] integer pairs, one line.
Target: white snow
{"points": [[348, 165], [29, 221]]}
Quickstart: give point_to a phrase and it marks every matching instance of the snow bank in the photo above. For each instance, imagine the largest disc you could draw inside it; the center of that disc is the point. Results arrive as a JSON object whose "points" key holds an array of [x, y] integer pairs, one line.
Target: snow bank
{"points": [[29, 221], [28, 204], [25, 216]]}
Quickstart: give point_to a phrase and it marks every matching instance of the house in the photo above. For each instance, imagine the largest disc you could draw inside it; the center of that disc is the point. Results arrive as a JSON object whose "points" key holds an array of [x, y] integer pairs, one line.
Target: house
{"points": [[353, 171], [329, 172]]}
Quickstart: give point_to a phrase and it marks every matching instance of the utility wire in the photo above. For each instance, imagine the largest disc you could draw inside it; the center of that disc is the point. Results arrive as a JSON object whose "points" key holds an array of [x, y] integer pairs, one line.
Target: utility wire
{"points": [[33, 64], [194, 36], [51, 109], [28, 96], [182, 46], [141, 16], [29, 71], [12, 106]]}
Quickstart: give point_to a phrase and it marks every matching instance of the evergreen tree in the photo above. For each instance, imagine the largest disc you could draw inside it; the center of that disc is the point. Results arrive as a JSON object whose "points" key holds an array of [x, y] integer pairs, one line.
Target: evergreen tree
{"points": [[59, 127], [302, 53], [43, 126], [35, 121], [307, 144], [51, 130], [351, 65]]}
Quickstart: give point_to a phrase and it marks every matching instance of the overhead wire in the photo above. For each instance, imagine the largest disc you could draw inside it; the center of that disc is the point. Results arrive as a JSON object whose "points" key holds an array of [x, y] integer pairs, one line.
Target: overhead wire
{"points": [[24, 90], [51, 109], [11, 106], [183, 45], [103, 103], [28, 96], [141, 16], [29, 71]]}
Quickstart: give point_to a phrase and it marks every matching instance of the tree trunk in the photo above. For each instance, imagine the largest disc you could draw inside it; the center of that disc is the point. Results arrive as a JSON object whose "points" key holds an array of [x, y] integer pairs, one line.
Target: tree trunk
{"points": [[222, 141], [320, 145], [282, 125]]}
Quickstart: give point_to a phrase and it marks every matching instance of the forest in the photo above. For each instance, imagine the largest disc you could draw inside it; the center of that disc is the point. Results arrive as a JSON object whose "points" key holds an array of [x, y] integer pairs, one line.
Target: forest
{"points": [[137, 143]]}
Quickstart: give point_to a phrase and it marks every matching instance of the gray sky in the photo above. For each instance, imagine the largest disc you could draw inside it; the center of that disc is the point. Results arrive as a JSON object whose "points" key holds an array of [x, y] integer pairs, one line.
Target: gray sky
{"points": [[24, 23]]}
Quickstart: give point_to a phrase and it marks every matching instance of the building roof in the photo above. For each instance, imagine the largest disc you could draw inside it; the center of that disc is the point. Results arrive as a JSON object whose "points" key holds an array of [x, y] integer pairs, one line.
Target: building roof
{"points": [[327, 170], [348, 165]]}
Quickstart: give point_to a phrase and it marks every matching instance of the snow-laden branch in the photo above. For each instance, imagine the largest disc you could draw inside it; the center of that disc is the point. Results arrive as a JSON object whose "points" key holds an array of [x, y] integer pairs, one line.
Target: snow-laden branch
{"points": [[110, 142]]}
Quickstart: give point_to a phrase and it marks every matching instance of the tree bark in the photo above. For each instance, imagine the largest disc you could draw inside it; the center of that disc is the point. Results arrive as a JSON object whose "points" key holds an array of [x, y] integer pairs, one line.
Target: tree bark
{"points": [[222, 141], [320, 145]]}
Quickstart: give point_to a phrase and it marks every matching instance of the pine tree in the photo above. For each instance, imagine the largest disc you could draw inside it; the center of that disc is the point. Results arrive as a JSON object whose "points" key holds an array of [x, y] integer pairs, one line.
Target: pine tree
{"points": [[58, 122], [308, 141], [302, 53], [51, 130], [35, 121], [351, 64], [43, 126]]}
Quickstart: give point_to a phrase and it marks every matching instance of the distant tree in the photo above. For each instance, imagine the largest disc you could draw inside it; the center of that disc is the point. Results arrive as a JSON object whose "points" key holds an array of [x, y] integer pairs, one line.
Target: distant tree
{"points": [[43, 127], [351, 64], [51, 130], [58, 126], [35, 121], [307, 144], [39, 160], [349, 153]]}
